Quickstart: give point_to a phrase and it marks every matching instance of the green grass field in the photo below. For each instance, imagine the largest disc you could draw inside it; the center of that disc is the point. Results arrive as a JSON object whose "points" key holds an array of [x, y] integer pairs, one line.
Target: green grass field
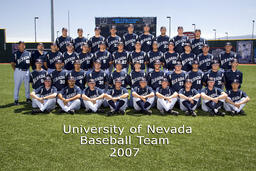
{"points": [[37, 142]]}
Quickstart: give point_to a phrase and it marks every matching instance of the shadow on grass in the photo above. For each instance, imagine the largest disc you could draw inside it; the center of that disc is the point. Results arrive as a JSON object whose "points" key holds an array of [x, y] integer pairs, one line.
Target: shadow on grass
{"points": [[12, 104]]}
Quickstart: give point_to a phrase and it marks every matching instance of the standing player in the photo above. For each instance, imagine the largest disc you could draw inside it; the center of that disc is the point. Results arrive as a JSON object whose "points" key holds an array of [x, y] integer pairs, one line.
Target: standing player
{"points": [[37, 54], [179, 41], [63, 40], [86, 58], [155, 76], [51, 57], [130, 39], [197, 43], [138, 56], [113, 40], [79, 75], [154, 55], [232, 74], [121, 56], [205, 59], [96, 40], [38, 75], [146, 39], [170, 58], [195, 76], [69, 57], [163, 40], [20, 62], [187, 58], [226, 57], [79, 41]]}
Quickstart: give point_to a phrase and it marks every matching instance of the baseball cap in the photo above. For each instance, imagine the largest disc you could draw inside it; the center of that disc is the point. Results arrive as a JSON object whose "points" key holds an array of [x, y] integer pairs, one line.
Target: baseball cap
{"points": [[71, 78], [187, 44], [188, 80], [195, 62], [69, 44], [143, 80], [91, 81], [205, 45], [234, 60], [21, 42], [171, 43], [102, 43], [235, 81], [228, 44], [178, 63], [118, 62], [215, 62], [118, 80], [154, 42], [85, 44], [113, 27], [157, 62], [47, 78], [120, 43], [210, 79], [97, 61], [39, 61], [164, 80], [77, 62], [97, 28], [131, 25], [59, 61]]}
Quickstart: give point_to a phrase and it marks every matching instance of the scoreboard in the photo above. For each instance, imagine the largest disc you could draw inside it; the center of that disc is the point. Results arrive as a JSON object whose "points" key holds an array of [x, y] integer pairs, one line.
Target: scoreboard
{"points": [[122, 23]]}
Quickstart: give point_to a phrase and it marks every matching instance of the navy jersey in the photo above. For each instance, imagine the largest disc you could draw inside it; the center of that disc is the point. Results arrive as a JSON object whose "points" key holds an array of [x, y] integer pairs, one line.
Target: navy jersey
{"points": [[170, 60], [43, 92], [123, 57], [37, 55], [179, 43], [154, 79], [69, 60], [59, 78], [37, 78], [225, 59], [186, 61], [218, 77], [191, 93], [100, 78], [21, 59], [69, 92], [138, 56], [153, 56], [197, 45], [146, 41], [215, 92], [80, 78], [163, 42], [129, 41], [92, 93], [167, 92], [135, 78], [62, 43], [143, 91], [112, 43], [196, 78], [205, 62], [116, 93], [78, 43], [230, 76], [94, 43], [104, 57], [123, 76], [236, 95], [52, 57], [176, 80], [86, 60]]}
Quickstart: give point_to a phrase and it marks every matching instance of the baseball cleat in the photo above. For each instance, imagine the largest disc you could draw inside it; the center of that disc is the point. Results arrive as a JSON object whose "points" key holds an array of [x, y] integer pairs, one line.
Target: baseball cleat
{"points": [[194, 114], [72, 112], [162, 112], [16, 103], [29, 101]]}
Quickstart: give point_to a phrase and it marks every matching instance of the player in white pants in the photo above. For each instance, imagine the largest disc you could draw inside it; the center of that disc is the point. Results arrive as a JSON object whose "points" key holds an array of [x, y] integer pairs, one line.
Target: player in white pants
{"points": [[166, 98], [44, 97]]}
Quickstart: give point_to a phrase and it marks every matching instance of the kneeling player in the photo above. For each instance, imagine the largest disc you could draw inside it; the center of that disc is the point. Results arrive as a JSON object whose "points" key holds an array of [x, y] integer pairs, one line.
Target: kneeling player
{"points": [[44, 97], [117, 98], [236, 99], [166, 98], [189, 98], [143, 97]]}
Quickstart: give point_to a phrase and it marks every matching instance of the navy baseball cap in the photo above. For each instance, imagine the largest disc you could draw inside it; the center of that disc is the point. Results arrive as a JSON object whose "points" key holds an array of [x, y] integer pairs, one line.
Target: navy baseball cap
{"points": [[21, 42], [228, 44], [69, 44], [85, 44], [205, 45], [102, 43], [91, 81], [154, 42], [118, 80], [187, 44], [47, 78], [120, 43], [171, 43], [215, 62], [164, 80], [39, 61], [195, 62], [188, 80], [118, 62], [157, 62], [97, 28], [71, 78], [143, 80], [59, 61], [77, 62], [235, 81], [113, 27], [180, 27], [210, 79], [97, 61], [234, 60], [178, 63]]}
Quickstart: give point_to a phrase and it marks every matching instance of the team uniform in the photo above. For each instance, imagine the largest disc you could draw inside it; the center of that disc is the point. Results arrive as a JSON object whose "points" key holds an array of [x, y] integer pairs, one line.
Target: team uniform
{"points": [[92, 94], [37, 78], [210, 105], [123, 76], [197, 45], [69, 60], [177, 80], [122, 57], [37, 55], [230, 76], [186, 61], [59, 79], [205, 62], [94, 43], [62, 43], [225, 59], [138, 56], [129, 41], [163, 42], [196, 78], [80, 78], [163, 104], [179, 42], [218, 77], [86, 60], [138, 104], [146, 42], [112, 43], [236, 97], [152, 57], [100, 78], [104, 58], [120, 104], [78, 42], [154, 79], [170, 60], [51, 58], [186, 105]]}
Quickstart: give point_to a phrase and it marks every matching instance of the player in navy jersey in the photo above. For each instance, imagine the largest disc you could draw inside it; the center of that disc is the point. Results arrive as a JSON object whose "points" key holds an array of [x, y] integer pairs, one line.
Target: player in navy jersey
{"points": [[232, 74], [195, 76], [51, 57], [86, 58], [205, 59], [143, 97], [69, 57], [187, 57], [44, 97], [177, 77], [227, 56], [63, 40], [163, 40], [236, 99], [130, 39], [189, 98], [179, 41], [37, 76], [79, 41], [154, 55], [146, 39], [138, 55], [154, 77], [79, 75], [170, 58], [113, 40], [213, 98], [37, 54], [95, 41], [197, 43], [117, 98], [121, 56], [166, 98]]}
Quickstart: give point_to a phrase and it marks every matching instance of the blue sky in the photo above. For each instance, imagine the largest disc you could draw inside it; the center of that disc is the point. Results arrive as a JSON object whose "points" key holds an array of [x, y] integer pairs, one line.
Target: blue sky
{"points": [[232, 16]]}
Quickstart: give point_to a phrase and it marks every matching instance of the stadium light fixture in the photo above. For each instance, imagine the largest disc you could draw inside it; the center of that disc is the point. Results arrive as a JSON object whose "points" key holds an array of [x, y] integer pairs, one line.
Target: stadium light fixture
{"points": [[253, 21]]}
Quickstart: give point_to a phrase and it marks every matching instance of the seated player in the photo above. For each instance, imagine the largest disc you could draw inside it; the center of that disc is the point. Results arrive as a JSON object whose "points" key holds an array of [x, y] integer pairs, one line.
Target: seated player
{"points": [[92, 97], [187, 57], [44, 97], [117, 98], [177, 77], [79, 75], [143, 97], [213, 98], [37, 76], [166, 98], [154, 55], [155, 76], [121, 56], [236, 99], [189, 98], [69, 97], [69, 57], [232, 74]]}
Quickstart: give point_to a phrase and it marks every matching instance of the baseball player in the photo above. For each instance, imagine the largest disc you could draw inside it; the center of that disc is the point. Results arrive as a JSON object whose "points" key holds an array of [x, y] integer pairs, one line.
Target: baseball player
{"points": [[63, 40], [195, 76], [79, 75], [197, 43], [166, 98], [130, 39], [51, 57], [226, 57], [187, 58], [37, 76], [86, 58], [213, 98], [117, 98], [69, 57], [189, 98], [37, 54], [170, 58], [155, 76], [121, 56], [163, 40], [69, 97], [146, 39], [143, 97], [138, 55], [96, 40], [154, 55], [92, 97], [205, 59], [79, 41], [20, 62], [44, 97], [113, 40], [232, 74], [236, 99], [179, 40]]}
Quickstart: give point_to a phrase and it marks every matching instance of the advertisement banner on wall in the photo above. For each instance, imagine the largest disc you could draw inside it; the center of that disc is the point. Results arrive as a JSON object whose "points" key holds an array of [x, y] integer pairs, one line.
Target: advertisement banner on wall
{"points": [[244, 51]]}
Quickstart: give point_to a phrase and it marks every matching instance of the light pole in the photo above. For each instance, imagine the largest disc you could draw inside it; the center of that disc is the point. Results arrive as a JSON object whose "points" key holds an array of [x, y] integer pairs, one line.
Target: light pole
{"points": [[169, 25], [215, 33], [52, 21], [35, 18], [68, 24], [253, 21], [226, 34], [194, 25]]}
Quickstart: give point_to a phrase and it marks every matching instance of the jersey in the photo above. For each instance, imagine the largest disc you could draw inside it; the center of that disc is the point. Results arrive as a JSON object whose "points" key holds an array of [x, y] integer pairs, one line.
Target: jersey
{"points": [[116, 93], [170, 60], [218, 77], [197, 45], [62, 43], [226, 58], [236, 95], [135, 78], [112, 43], [86, 60], [138, 56], [196, 78], [186, 61], [100, 78], [92, 93], [104, 57], [215, 92], [177, 80], [154, 79], [129, 41], [37, 78], [163, 42], [21, 59], [230, 76], [69, 60], [205, 61], [43, 92], [69, 92], [59, 79], [80, 78], [37, 55], [120, 75], [143, 91], [167, 92], [123, 57], [152, 56], [179, 43], [191, 93], [146, 41], [78, 42], [94, 43], [52, 57]]}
